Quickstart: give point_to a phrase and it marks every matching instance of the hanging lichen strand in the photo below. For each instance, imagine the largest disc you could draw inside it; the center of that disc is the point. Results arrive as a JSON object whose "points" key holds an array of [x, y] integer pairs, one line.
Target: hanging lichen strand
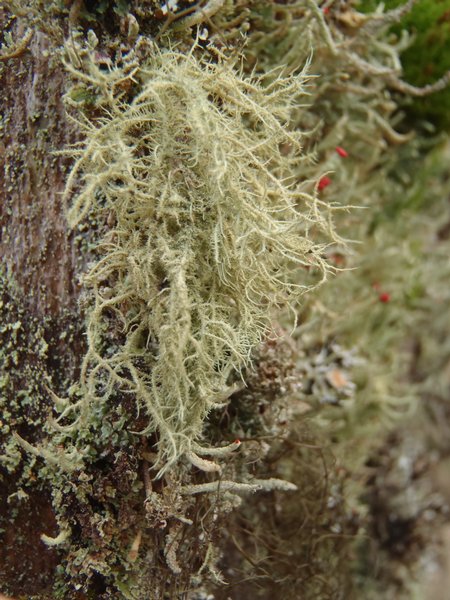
{"points": [[206, 235]]}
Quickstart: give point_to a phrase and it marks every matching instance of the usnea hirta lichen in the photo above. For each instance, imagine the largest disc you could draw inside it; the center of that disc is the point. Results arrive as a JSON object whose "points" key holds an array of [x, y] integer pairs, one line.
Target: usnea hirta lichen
{"points": [[206, 233]]}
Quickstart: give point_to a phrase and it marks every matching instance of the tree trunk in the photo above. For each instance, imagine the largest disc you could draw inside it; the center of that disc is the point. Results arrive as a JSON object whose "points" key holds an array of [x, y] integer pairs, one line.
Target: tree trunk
{"points": [[40, 341]]}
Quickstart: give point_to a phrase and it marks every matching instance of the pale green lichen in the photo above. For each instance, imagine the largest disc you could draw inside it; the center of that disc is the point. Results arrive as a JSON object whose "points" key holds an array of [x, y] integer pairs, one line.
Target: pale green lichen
{"points": [[206, 233]]}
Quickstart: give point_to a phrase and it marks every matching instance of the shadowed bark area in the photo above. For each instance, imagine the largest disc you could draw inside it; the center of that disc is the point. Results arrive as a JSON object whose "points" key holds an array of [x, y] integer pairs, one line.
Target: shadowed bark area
{"points": [[26, 564]]}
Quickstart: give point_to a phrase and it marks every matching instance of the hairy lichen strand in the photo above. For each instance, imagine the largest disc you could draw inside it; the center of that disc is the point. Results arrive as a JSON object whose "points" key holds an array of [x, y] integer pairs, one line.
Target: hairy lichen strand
{"points": [[210, 231]]}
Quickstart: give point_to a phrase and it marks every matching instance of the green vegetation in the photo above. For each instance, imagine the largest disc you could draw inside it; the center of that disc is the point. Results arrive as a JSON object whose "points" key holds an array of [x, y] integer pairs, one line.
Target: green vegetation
{"points": [[425, 58], [264, 303]]}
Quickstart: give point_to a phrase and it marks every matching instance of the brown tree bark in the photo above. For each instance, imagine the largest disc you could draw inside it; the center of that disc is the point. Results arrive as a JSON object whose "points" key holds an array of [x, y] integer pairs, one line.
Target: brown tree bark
{"points": [[38, 292]]}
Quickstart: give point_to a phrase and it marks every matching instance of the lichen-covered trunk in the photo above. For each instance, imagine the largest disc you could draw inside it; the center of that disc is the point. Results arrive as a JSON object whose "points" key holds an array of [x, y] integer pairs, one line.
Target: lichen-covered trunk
{"points": [[162, 436], [39, 340]]}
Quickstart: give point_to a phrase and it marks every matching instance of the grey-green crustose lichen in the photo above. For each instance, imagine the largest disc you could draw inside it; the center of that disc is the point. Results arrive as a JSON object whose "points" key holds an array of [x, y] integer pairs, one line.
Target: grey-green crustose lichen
{"points": [[206, 232]]}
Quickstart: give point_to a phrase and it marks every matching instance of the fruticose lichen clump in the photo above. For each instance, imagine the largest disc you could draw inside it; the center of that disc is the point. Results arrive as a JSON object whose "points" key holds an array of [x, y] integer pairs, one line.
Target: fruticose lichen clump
{"points": [[205, 232]]}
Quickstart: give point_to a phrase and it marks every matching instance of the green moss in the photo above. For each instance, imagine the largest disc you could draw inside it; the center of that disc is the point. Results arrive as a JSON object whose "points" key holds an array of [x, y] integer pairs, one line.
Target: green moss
{"points": [[427, 58]]}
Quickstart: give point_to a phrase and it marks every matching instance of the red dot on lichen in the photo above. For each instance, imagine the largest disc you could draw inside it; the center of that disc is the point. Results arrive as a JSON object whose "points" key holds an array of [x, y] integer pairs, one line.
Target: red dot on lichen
{"points": [[323, 183], [341, 151], [384, 297]]}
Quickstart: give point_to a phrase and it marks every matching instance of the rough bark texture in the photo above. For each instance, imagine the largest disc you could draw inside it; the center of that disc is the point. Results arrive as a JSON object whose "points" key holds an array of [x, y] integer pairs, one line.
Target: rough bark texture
{"points": [[36, 246], [39, 290]]}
